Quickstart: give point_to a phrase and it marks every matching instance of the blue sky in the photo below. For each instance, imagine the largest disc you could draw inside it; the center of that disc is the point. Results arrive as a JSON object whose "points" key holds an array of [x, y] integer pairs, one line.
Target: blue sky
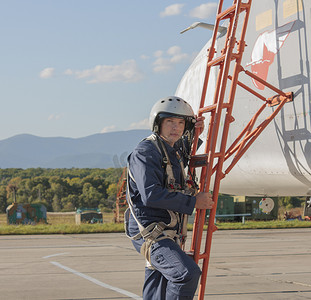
{"points": [[74, 68]]}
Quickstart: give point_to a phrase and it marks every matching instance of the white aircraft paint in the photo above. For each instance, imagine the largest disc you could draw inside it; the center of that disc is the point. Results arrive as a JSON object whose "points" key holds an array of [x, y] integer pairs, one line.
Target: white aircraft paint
{"points": [[279, 161]]}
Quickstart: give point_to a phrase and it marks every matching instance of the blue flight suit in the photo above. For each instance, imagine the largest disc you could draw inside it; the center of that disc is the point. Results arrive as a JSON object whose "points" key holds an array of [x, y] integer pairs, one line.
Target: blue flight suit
{"points": [[176, 275]]}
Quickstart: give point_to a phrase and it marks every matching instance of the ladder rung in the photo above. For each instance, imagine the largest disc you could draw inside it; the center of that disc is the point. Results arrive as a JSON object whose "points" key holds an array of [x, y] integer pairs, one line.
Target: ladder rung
{"points": [[244, 6], [212, 107], [202, 255], [225, 14], [219, 60], [199, 160], [190, 253], [216, 61], [207, 109]]}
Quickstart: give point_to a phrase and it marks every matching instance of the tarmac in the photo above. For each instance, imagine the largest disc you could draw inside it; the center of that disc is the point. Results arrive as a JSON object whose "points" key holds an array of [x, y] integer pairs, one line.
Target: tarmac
{"points": [[244, 264]]}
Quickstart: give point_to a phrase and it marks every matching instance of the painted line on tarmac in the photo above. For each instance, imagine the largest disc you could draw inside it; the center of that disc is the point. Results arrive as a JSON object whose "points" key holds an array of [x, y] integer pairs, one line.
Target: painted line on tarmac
{"points": [[57, 254], [102, 284]]}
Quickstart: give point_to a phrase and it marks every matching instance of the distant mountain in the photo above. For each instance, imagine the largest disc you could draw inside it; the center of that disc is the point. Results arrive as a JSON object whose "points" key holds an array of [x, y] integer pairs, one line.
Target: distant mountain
{"points": [[103, 150]]}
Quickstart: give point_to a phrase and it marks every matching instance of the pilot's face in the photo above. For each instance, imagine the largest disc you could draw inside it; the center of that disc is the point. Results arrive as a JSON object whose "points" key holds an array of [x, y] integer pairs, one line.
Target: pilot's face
{"points": [[172, 129]]}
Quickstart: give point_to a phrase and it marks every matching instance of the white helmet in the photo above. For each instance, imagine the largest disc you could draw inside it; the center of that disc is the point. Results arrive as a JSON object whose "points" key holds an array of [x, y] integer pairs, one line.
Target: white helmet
{"points": [[171, 107]]}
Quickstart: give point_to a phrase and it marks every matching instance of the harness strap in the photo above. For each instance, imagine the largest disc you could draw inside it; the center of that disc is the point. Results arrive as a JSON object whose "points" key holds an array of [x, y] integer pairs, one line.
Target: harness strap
{"points": [[169, 169], [156, 231], [152, 230], [145, 249]]}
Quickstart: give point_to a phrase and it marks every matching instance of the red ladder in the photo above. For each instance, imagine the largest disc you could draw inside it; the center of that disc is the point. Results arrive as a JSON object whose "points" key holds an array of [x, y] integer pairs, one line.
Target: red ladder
{"points": [[212, 160], [121, 196]]}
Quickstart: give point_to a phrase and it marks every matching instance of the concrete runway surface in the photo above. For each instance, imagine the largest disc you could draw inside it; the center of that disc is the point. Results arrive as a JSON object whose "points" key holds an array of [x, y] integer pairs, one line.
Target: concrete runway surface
{"points": [[246, 264]]}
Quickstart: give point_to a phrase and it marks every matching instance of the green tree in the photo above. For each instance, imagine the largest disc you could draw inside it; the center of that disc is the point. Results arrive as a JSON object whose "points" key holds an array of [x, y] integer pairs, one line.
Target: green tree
{"points": [[3, 199], [290, 202], [91, 196], [56, 204], [112, 191], [13, 187], [59, 189], [70, 203], [75, 185]]}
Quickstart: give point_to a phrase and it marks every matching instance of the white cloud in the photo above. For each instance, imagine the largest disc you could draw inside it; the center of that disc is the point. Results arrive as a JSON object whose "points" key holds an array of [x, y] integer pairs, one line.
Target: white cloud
{"points": [[162, 65], [47, 73], [204, 11], [68, 72], [54, 117], [158, 53], [127, 72], [108, 129], [143, 124], [172, 10], [165, 61], [144, 57], [173, 50], [176, 54]]}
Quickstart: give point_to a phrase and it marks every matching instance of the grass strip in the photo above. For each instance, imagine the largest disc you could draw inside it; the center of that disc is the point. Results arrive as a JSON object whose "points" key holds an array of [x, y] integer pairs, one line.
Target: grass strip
{"points": [[119, 227], [60, 229]]}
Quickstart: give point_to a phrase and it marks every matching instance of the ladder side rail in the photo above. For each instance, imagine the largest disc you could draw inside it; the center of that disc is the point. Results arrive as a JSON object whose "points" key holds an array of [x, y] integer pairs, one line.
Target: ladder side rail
{"points": [[120, 180], [237, 70], [251, 121], [117, 211], [228, 119], [245, 7], [213, 131], [220, 99], [211, 53], [121, 185], [200, 214], [121, 190], [249, 135], [210, 56], [210, 146]]}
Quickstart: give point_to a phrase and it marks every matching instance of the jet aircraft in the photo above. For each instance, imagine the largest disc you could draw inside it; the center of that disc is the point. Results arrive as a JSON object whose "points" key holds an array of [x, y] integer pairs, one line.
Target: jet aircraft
{"points": [[278, 39]]}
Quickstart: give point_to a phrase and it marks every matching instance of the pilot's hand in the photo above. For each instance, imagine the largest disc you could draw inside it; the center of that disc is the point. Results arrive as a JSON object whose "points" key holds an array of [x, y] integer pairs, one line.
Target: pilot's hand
{"points": [[199, 125], [204, 201]]}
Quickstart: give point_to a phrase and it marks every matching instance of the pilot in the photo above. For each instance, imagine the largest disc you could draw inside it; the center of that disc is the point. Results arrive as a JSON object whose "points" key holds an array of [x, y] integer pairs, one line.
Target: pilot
{"points": [[160, 196]]}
